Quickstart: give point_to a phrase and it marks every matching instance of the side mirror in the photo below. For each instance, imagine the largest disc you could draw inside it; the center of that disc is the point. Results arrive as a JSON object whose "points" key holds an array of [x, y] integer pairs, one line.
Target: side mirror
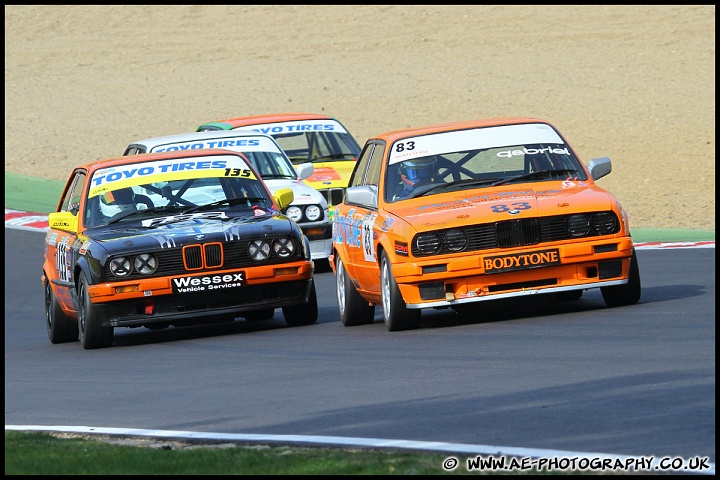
{"points": [[64, 221], [365, 195], [283, 197], [599, 167], [305, 169]]}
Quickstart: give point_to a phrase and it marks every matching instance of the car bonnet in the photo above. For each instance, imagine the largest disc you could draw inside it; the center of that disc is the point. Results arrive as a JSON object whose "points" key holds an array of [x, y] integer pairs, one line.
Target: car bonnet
{"points": [[178, 230], [509, 202]]}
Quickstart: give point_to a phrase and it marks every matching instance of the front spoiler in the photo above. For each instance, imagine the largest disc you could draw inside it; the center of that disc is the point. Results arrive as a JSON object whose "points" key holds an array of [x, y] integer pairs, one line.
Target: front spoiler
{"points": [[472, 298], [198, 308]]}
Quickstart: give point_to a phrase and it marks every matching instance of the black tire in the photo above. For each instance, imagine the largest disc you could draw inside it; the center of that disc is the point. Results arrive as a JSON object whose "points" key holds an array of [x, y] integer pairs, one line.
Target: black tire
{"points": [[303, 314], [628, 294], [354, 309], [92, 334], [60, 328], [264, 314], [395, 312]]}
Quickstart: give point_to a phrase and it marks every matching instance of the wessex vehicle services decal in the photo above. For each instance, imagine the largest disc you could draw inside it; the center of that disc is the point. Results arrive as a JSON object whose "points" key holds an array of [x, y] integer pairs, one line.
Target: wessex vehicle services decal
{"points": [[109, 179], [297, 127], [208, 283], [475, 139]]}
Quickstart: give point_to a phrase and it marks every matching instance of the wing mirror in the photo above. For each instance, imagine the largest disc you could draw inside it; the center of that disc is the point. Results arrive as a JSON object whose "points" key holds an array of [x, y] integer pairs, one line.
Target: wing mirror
{"points": [[362, 195], [283, 197], [305, 170], [64, 221], [599, 167]]}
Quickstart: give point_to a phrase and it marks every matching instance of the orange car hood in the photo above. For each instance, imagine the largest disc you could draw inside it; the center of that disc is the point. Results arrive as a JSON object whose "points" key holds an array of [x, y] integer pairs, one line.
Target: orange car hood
{"points": [[490, 205]]}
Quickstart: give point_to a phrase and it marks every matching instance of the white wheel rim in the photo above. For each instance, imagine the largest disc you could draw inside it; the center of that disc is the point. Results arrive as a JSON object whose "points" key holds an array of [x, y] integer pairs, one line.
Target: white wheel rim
{"points": [[340, 280], [385, 281]]}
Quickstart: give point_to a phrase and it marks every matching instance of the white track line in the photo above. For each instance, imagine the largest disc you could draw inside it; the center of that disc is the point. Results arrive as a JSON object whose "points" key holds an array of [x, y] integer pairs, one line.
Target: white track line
{"points": [[306, 440]]}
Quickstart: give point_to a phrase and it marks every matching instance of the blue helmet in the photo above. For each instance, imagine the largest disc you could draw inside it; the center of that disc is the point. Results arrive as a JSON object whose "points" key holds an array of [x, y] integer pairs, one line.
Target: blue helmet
{"points": [[418, 169]]}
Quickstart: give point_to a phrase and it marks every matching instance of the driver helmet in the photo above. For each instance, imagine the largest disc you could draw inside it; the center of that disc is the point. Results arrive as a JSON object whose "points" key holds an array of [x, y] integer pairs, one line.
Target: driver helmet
{"points": [[123, 200], [418, 169]]}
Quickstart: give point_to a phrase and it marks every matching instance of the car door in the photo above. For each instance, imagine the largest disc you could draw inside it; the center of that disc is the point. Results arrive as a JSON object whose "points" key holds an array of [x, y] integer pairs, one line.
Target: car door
{"points": [[359, 221], [62, 245]]}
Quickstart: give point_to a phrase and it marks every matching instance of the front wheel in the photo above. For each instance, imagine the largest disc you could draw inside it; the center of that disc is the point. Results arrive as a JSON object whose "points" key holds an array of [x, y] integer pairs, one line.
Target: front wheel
{"points": [[395, 312], [354, 309], [628, 294], [92, 333], [60, 328], [305, 313]]}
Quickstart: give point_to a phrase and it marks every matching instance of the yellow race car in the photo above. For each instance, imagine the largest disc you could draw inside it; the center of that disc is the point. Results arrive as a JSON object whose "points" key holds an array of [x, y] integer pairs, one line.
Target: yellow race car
{"points": [[448, 216], [306, 137]]}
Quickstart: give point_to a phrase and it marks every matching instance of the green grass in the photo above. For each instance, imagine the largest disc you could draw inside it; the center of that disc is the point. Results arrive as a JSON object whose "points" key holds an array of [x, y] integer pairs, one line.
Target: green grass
{"points": [[39, 453]]}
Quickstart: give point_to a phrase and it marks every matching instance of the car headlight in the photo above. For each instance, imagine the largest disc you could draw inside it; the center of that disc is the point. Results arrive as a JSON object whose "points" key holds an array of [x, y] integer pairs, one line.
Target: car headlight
{"points": [[121, 266], [259, 250], [145, 263], [294, 212], [313, 212], [284, 247], [578, 225], [455, 240], [428, 243], [604, 223]]}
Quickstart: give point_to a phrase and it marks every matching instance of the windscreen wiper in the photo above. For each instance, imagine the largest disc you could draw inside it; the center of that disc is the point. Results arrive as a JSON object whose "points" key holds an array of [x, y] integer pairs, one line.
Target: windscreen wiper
{"points": [[538, 174], [470, 182]]}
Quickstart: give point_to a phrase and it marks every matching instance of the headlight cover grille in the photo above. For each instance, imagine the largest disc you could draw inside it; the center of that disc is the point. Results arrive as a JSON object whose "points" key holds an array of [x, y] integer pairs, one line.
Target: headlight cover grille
{"points": [[515, 233]]}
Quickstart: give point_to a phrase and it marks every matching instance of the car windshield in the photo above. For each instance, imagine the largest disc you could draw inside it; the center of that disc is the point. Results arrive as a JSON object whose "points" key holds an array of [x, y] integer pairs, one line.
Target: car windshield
{"points": [[171, 187], [312, 140], [272, 165], [478, 158]]}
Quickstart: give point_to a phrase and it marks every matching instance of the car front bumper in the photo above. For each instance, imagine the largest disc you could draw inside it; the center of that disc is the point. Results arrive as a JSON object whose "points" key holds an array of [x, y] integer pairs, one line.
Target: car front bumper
{"points": [[461, 280], [155, 300]]}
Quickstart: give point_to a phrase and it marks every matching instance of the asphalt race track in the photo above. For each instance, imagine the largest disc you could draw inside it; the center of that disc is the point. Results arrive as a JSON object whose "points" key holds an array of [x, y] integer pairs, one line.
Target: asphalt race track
{"points": [[573, 376]]}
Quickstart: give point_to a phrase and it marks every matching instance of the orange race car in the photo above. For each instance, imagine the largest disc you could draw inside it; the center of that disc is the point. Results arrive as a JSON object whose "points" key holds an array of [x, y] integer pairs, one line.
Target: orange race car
{"points": [[306, 137], [179, 238], [446, 216]]}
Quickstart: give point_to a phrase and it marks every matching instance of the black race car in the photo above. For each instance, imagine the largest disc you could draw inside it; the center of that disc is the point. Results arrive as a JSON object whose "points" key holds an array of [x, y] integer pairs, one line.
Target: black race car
{"points": [[165, 239]]}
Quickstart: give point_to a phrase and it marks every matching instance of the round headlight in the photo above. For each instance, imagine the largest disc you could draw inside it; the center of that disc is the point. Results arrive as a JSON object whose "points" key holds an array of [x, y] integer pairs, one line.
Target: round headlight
{"points": [[603, 223], [259, 250], [578, 225], [313, 212], [120, 266], [284, 247], [455, 240], [294, 212], [146, 263], [428, 243]]}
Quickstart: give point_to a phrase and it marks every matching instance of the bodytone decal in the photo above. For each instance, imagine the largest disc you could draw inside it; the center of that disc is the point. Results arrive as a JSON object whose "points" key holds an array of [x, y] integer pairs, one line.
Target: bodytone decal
{"points": [[521, 261]]}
